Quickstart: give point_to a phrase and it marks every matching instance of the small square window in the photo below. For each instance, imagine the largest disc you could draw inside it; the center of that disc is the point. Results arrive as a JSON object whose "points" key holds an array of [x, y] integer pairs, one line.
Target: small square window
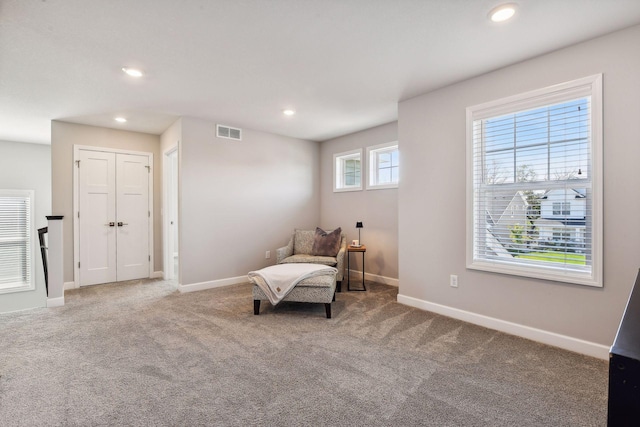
{"points": [[347, 171], [384, 166]]}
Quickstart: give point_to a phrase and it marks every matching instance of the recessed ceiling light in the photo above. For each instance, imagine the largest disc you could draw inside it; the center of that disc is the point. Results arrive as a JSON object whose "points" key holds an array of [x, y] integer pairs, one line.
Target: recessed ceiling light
{"points": [[120, 120], [503, 12], [132, 72], [288, 112]]}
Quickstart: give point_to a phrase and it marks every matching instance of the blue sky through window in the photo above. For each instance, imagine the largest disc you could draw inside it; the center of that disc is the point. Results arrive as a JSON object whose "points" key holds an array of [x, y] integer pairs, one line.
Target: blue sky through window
{"points": [[543, 144]]}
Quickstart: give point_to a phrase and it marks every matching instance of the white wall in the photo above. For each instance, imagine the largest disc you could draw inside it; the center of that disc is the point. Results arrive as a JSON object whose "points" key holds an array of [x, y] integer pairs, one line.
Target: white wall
{"points": [[432, 195], [377, 209], [63, 137], [28, 167], [239, 199], [171, 136]]}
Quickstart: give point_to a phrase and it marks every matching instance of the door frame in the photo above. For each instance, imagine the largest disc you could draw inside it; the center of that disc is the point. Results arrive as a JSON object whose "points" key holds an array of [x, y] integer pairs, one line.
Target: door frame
{"points": [[167, 232], [76, 203]]}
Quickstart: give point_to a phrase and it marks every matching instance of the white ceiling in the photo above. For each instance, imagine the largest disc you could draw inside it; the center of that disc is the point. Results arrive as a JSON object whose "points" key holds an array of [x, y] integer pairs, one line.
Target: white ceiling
{"points": [[341, 64]]}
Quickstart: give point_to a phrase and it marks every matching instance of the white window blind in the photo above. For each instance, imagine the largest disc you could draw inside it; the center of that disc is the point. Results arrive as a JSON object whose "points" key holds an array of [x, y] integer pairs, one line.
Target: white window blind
{"points": [[15, 239], [535, 188]]}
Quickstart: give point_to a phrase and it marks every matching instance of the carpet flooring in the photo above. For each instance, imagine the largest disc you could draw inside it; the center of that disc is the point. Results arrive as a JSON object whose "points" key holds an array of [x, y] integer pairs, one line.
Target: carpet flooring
{"points": [[141, 353]]}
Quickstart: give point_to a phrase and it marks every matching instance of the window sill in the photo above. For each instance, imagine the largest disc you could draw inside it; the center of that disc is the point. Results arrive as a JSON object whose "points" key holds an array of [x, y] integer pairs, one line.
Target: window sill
{"points": [[382, 187], [9, 289], [344, 190], [542, 273]]}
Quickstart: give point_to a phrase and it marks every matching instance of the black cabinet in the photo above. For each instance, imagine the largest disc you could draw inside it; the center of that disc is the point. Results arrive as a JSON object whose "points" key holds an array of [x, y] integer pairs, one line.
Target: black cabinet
{"points": [[624, 366]]}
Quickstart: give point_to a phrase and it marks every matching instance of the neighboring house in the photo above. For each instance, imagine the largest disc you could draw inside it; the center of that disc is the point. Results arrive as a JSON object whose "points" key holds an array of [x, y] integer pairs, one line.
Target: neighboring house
{"points": [[515, 213], [562, 220], [505, 211], [563, 216]]}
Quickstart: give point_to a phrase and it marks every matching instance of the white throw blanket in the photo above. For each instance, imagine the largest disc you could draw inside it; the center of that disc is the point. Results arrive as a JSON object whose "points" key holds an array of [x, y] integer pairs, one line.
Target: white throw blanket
{"points": [[278, 280]]}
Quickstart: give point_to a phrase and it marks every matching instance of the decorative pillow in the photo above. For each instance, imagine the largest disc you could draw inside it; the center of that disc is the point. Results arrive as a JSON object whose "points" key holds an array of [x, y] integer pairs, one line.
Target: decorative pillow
{"points": [[326, 244]]}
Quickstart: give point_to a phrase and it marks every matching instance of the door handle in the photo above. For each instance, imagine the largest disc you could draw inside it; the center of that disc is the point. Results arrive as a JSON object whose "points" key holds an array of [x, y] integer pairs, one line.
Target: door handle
{"points": [[111, 224], [120, 224]]}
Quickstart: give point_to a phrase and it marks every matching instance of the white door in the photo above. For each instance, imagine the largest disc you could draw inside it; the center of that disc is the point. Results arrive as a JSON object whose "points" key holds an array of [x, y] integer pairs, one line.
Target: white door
{"points": [[113, 196], [132, 201], [97, 216]]}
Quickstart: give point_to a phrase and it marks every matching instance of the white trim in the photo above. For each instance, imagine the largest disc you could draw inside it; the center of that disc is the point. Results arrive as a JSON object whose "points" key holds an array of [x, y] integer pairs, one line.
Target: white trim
{"points": [[550, 338], [336, 156], [201, 286], [536, 272], [55, 302], [597, 161], [371, 165], [152, 258], [157, 275], [69, 285], [76, 224], [382, 187], [561, 92], [355, 274], [166, 217]]}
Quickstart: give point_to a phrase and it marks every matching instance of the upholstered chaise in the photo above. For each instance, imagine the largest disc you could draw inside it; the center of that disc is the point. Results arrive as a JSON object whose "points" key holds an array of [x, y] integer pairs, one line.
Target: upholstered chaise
{"points": [[300, 249], [317, 289]]}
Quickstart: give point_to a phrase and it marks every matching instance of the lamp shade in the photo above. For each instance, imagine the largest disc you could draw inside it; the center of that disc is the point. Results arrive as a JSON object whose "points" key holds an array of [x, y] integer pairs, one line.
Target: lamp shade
{"points": [[358, 225]]}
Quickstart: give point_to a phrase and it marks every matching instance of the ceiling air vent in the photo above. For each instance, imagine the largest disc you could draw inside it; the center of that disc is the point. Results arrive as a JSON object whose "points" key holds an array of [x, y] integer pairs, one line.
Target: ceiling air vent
{"points": [[228, 132]]}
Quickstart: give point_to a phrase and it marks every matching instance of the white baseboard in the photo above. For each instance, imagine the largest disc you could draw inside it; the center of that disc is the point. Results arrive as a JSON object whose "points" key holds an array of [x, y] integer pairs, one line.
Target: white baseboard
{"points": [[355, 274], [201, 286], [55, 302], [550, 338], [72, 285]]}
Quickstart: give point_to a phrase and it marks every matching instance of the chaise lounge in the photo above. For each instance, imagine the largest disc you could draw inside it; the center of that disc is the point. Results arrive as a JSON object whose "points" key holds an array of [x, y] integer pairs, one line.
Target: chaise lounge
{"points": [[316, 289], [300, 249]]}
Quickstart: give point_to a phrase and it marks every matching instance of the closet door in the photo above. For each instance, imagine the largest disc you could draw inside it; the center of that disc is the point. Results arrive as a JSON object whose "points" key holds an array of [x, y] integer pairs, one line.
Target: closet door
{"points": [[132, 201], [114, 217], [97, 216]]}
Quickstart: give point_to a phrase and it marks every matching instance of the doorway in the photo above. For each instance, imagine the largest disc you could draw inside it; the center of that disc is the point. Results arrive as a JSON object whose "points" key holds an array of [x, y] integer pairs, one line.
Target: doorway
{"points": [[112, 215], [172, 258]]}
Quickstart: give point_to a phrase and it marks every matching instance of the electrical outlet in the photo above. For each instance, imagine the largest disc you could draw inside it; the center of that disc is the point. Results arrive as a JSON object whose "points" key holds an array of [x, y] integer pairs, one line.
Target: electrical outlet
{"points": [[453, 281], [267, 254]]}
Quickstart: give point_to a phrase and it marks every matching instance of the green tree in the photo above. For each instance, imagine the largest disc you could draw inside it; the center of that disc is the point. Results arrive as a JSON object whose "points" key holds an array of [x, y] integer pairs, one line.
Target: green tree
{"points": [[533, 213], [526, 173], [517, 234]]}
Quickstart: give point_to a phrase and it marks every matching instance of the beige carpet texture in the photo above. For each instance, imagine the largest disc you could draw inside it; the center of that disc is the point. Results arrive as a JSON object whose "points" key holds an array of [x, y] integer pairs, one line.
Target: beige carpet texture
{"points": [[140, 353]]}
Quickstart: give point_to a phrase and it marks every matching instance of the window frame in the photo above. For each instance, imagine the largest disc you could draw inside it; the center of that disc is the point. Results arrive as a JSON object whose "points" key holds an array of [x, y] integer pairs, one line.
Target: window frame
{"points": [[372, 175], [31, 242], [587, 86], [338, 167]]}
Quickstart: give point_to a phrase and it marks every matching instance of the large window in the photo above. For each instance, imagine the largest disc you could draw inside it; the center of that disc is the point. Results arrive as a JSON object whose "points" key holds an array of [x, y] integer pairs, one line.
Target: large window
{"points": [[16, 249], [347, 171], [384, 166], [535, 184]]}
